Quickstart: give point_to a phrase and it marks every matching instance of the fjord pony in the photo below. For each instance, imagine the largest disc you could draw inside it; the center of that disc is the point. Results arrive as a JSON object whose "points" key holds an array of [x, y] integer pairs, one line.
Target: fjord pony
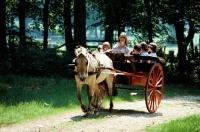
{"points": [[87, 71]]}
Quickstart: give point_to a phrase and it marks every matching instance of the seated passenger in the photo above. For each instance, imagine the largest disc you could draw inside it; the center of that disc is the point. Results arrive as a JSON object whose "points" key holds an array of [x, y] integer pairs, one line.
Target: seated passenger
{"points": [[122, 45], [152, 48], [136, 49], [106, 47], [144, 49], [100, 48]]}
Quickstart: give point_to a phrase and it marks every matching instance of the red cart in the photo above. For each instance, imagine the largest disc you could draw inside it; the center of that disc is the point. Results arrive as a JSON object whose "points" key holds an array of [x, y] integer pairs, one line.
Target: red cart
{"points": [[135, 70]]}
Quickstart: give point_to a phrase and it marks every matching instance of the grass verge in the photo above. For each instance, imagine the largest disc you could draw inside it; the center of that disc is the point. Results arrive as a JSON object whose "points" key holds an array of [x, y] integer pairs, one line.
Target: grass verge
{"points": [[186, 124]]}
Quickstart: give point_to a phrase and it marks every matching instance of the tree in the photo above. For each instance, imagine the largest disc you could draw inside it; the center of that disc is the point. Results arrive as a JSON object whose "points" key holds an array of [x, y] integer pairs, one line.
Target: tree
{"points": [[180, 14], [67, 24], [79, 22], [109, 20], [21, 8], [148, 9], [45, 23], [3, 48]]}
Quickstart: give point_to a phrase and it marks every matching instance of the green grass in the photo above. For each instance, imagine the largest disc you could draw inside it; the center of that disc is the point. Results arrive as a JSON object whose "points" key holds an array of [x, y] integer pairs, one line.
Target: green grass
{"points": [[186, 124], [26, 98], [171, 90]]}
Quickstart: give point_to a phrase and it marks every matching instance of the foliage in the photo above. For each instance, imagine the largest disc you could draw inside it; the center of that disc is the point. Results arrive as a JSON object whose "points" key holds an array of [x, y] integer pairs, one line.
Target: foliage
{"points": [[31, 61], [191, 74], [129, 13]]}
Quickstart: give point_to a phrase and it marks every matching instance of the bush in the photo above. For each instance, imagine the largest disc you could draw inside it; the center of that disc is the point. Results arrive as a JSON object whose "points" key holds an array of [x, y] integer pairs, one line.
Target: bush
{"points": [[36, 62]]}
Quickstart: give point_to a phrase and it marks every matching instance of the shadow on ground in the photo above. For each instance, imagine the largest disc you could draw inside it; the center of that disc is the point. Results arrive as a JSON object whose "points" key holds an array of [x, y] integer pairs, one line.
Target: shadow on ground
{"points": [[104, 113]]}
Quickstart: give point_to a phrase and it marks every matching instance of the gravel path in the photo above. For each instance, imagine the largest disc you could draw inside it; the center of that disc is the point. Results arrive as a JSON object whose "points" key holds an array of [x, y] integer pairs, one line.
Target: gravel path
{"points": [[126, 117]]}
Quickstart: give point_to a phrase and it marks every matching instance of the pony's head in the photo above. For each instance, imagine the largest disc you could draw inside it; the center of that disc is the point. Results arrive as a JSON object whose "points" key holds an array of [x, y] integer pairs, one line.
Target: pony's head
{"points": [[81, 62]]}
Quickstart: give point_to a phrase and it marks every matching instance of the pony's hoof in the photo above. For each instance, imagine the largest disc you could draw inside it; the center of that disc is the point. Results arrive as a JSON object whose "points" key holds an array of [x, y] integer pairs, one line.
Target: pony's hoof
{"points": [[84, 109], [91, 112]]}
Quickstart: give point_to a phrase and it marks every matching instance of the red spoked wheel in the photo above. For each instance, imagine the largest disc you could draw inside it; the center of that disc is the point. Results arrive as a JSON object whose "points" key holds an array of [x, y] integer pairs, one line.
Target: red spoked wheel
{"points": [[154, 87], [102, 95]]}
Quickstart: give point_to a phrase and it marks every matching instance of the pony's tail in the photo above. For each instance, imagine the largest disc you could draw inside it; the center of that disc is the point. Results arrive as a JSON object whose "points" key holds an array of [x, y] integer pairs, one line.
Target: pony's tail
{"points": [[115, 92]]}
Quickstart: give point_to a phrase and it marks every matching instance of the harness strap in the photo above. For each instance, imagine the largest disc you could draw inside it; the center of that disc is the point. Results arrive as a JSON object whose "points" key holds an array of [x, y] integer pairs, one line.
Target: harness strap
{"points": [[89, 73]]}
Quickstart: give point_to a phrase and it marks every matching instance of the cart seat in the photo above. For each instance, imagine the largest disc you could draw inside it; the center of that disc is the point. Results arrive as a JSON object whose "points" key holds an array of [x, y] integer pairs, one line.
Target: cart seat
{"points": [[133, 63]]}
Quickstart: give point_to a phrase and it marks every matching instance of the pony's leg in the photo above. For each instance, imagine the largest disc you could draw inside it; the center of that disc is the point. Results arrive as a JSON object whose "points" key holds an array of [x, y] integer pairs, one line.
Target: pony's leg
{"points": [[90, 93], [96, 99], [79, 88], [109, 81]]}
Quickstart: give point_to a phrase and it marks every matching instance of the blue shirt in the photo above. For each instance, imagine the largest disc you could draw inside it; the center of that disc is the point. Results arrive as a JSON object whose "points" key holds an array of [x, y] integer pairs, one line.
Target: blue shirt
{"points": [[144, 53], [125, 49], [153, 54]]}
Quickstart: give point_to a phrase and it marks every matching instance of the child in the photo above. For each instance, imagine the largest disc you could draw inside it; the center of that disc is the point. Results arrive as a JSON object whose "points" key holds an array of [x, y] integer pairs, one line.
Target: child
{"points": [[136, 49], [100, 48], [152, 48], [106, 47], [144, 49], [136, 52]]}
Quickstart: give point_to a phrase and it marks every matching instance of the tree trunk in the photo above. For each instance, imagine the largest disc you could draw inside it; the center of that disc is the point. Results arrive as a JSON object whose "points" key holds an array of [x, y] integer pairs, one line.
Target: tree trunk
{"points": [[183, 43], [179, 28], [148, 9], [67, 24], [109, 26], [80, 22], [22, 21], [192, 50], [3, 48], [109, 29], [45, 23], [122, 17]]}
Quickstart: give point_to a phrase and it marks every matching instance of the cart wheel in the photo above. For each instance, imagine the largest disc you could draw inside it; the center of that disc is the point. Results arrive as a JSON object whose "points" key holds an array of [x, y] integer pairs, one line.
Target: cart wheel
{"points": [[154, 88], [102, 95]]}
